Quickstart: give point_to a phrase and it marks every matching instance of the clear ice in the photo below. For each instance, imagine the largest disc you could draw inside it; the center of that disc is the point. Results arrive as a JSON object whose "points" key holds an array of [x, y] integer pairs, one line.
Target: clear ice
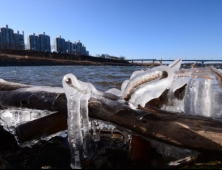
{"points": [[11, 118], [194, 91], [78, 94]]}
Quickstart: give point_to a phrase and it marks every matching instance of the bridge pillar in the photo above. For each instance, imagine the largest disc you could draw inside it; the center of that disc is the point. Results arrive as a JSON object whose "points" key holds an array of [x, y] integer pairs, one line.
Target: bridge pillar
{"points": [[203, 64]]}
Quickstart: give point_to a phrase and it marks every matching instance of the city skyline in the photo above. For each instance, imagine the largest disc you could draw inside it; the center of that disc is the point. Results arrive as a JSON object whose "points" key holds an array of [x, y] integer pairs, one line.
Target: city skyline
{"points": [[135, 29], [9, 39]]}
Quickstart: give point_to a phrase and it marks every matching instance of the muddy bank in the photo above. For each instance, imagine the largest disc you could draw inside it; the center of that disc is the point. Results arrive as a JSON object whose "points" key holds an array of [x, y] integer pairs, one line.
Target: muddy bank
{"points": [[36, 58], [15, 60]]}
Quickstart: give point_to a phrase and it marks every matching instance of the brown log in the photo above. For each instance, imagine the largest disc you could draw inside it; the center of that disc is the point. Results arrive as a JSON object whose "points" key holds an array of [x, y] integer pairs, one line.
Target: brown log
{"points": [[42, 127], [192, 132]]}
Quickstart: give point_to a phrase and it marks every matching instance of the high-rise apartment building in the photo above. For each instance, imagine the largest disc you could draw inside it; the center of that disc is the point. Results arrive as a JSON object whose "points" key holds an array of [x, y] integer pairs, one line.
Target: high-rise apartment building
{"points": [[19, 41], [83, 50], [60, 45], [0, 40], [39, 43], [33, 43], [79, 48], [68, 47], [11, 40], [7, 37], [44, 43]]}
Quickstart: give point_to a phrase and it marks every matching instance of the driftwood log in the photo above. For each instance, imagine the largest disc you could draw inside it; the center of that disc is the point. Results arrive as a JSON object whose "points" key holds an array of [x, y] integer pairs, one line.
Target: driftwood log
{"points": [[191, 132]]}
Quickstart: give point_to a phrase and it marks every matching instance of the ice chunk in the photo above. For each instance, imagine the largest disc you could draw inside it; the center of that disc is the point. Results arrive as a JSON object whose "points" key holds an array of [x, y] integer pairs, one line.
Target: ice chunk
{"points": [[115, 92], [176, 65], [135, 73], [139, 79], [123, 87], [14, 117], [152, 89]]}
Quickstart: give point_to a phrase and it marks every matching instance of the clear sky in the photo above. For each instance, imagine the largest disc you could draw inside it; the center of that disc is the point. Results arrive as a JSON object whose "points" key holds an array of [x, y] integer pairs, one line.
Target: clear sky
{"points": [[167, 29]]}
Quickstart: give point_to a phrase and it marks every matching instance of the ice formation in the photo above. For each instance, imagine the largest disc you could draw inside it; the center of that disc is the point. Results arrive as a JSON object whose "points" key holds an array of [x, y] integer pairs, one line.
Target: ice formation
{"points": [[194, 91], [146, 85], [78, 94], [11, 118]]}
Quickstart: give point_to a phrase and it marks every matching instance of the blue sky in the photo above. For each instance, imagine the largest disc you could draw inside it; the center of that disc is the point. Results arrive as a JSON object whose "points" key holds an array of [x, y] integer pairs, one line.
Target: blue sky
{"points": [[167, 29]]}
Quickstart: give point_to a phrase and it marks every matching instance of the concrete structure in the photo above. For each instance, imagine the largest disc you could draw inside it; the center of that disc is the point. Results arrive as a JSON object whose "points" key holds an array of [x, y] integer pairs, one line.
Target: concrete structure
{"points": [[19, 41], [83, 50], [0, 40], [79, 48], [69, 47], [9, 40], [44, 43], [60, 45], [39, 43], [33, 43]]}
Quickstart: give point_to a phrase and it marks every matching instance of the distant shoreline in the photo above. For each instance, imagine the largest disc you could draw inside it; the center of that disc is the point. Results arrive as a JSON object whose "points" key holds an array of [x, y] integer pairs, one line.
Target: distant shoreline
{"points": [[7, 60]]}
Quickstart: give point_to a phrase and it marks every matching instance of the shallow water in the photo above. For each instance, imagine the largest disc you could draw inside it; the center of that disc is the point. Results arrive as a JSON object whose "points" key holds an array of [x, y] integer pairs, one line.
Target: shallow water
{"points": [[102, 77]]}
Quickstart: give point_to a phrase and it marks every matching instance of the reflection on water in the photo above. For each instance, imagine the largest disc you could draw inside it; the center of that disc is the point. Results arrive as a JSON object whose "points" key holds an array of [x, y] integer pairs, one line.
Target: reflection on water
{"points": [[102, 77]]}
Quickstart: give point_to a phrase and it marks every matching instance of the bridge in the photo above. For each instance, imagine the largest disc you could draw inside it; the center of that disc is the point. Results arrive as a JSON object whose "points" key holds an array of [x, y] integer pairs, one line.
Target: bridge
{"points": [[202, 62]]}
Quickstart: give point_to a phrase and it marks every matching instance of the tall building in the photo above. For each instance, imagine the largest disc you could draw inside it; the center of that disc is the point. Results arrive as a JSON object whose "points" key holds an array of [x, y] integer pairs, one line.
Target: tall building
{"points": [[39, 43], [0, 40], [83, 51], [33, 43], [19, 41], [68, 47], [11, 40], [60, 45], [79, 48], [44, 43], [7, 37]]}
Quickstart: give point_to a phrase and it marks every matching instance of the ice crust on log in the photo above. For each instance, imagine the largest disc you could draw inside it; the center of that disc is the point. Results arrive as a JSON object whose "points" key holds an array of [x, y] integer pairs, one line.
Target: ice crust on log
{"points": [[13, 117], [186, 91], [196, 92]]}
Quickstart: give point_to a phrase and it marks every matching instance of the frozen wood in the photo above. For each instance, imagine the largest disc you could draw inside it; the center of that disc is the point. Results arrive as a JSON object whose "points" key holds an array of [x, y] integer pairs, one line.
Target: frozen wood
{"points": [[192, 132]]}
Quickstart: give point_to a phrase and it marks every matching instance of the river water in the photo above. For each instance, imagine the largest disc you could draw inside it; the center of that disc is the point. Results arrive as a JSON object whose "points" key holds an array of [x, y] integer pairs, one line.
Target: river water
{"points": [[102, 77]]}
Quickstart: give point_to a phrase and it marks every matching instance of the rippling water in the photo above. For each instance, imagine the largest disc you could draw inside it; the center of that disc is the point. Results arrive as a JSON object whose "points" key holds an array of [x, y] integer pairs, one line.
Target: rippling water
{"points": [[102, 77]]}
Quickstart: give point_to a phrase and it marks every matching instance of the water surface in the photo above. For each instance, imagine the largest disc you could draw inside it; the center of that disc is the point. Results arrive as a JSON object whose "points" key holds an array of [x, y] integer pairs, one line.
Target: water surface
{"points": [[102, 77]]}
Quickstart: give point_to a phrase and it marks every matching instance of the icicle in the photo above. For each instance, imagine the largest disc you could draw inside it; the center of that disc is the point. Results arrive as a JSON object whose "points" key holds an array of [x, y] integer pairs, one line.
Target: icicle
{"points": [[75, 131], [78, 94], [85, 123]]}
